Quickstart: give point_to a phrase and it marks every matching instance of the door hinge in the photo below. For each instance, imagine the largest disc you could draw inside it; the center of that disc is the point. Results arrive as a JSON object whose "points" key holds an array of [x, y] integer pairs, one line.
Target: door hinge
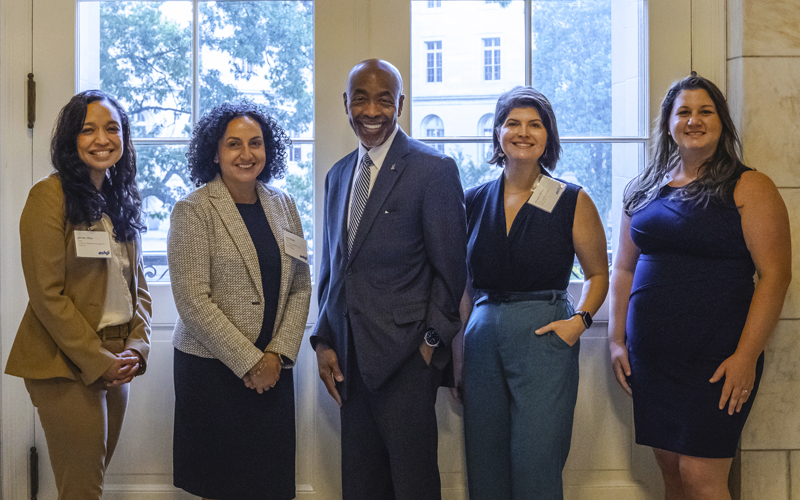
{"points": [[31, 100], [34, 473]]}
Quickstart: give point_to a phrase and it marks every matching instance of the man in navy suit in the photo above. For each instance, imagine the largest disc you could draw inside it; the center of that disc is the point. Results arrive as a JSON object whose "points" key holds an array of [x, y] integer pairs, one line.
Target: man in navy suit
{"points": [[393, 270]]}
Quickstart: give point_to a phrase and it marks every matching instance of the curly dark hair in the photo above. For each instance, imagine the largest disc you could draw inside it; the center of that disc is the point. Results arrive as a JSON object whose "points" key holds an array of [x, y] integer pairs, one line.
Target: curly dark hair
{"points": [[212, 126], [717, 176], [527, 97], [83, 203]]}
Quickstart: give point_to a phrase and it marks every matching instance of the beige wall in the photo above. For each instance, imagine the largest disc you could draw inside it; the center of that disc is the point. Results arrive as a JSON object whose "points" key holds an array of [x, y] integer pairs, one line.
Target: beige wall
{"points": [[764, 92]]}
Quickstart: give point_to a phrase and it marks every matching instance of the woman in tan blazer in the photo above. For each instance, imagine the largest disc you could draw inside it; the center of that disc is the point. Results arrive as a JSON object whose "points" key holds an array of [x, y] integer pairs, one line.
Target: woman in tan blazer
{"points": [[242, 294], [86, 331]]}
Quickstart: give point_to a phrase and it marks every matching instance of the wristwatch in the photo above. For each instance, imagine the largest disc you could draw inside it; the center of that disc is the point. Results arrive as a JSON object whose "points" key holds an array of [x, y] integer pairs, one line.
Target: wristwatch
{"points": [[586, 317], [432, 338]]}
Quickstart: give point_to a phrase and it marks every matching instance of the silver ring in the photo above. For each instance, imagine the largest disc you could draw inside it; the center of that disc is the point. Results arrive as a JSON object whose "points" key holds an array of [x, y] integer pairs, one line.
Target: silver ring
{"points": [[744, 391]]}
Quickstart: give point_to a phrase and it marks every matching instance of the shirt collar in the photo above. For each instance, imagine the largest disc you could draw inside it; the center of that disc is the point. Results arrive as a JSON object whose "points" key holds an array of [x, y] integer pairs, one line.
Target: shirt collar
{"points": [[378, 153]]}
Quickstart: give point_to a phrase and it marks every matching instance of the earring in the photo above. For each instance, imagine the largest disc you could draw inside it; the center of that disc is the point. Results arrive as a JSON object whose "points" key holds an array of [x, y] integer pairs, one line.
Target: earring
{"points": [[501, 154]]}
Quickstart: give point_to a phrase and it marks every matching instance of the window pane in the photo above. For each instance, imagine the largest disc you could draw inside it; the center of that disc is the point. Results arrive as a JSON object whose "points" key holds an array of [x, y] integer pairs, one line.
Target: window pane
{"points": [[471, 163], [470, 36], [262, 51], [163, 180], [586, 68], [141, 53]]}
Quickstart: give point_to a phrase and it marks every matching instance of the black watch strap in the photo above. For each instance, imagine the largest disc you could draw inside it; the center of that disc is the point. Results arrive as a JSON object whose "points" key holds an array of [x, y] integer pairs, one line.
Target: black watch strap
{"points": [[586, 317]]}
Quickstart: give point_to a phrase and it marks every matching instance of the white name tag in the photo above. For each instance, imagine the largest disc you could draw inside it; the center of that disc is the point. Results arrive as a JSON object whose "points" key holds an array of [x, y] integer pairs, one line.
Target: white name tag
{"points": [[92, 244], [546, 193], [295, 246]]}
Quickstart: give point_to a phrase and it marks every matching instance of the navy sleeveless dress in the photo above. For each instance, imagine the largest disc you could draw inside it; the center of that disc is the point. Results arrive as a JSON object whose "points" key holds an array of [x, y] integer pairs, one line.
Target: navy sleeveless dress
{"points": [[689, 301]]}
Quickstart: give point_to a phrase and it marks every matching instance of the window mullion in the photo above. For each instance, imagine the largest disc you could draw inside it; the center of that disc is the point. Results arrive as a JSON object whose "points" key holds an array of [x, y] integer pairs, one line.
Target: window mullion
{"points": [[528, 43], [195, 61]]}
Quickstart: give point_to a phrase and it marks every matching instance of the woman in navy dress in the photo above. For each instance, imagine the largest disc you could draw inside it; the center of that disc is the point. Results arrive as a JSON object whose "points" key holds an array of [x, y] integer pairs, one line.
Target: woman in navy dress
{"points": [[689, 325], [520, 348]]}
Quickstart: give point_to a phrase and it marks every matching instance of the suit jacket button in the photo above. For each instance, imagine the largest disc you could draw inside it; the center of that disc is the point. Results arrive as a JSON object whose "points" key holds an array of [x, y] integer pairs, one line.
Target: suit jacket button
{"points": [[344, 314], [349, 271]]}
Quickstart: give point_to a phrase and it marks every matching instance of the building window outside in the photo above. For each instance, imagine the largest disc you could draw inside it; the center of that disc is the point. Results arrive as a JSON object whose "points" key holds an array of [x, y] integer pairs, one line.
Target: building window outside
{"points": [[433, 126], [491, 58], [434, 61], [256, 50], [434, 3], [485, 129]]}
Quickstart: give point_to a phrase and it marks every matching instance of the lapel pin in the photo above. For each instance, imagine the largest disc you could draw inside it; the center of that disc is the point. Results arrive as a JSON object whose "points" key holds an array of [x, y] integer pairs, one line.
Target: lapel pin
{"points": [[393, 167]]}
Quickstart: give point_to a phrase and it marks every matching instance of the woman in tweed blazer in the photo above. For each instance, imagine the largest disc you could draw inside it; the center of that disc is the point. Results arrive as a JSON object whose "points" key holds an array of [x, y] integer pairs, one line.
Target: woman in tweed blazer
{"points": [[243, 304]]}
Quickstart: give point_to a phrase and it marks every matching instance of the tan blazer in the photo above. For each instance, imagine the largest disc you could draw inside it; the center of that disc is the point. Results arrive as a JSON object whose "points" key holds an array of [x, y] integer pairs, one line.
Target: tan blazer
{"points": [[58, 333], [216, 280]]}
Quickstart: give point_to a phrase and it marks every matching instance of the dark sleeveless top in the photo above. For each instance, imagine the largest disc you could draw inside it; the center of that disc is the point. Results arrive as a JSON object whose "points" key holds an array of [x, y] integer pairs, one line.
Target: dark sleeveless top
{"points": [[269, 262], [537, 254]]}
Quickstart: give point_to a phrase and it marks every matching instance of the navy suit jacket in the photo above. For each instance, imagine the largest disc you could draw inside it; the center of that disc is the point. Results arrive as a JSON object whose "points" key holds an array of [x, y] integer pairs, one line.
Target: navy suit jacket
{"points": [[407, 269]]}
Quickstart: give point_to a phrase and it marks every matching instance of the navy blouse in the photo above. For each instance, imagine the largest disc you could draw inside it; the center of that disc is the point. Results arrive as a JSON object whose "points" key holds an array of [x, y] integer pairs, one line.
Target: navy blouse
{"points": [[269, 262], [537, 254]]}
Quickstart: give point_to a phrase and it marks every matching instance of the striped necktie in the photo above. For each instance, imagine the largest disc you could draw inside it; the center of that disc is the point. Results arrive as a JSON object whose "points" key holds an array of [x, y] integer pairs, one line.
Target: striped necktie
{"points": [[360, 195]]}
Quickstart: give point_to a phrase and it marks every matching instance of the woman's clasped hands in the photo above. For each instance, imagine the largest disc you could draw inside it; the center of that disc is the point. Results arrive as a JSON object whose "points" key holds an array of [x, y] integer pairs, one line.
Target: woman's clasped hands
{"points": [[265, 374], [126, 365]]}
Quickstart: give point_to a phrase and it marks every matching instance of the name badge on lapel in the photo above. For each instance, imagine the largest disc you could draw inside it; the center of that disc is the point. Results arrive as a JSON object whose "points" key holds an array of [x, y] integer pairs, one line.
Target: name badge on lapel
{"points": [[92, 244], [546, 193], [295, 246]]}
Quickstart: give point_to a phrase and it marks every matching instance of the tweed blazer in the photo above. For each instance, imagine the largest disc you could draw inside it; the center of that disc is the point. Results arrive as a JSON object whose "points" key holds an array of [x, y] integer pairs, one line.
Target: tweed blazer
{"points": [[216, 279], [58, 333]]}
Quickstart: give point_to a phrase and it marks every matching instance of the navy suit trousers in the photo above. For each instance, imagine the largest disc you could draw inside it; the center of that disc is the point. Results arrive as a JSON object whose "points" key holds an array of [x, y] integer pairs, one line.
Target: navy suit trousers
{"points": [[389, 436]]}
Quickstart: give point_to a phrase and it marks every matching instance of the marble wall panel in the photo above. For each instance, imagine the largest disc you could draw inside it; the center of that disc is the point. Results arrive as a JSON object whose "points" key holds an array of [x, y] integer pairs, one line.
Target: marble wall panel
{"points": [[774, 422], [764, 475], [769, 27], [765, 95], [791, 307]]}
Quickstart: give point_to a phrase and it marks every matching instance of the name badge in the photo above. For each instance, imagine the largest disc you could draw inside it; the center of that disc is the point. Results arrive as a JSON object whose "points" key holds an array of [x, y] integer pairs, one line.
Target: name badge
{"points": [[92, 244], [295, 246], [546, 193]]}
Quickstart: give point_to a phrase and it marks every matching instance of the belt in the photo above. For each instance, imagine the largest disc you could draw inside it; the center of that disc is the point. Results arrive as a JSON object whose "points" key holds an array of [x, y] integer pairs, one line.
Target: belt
{"points": [[496, 296], [114, 332]]}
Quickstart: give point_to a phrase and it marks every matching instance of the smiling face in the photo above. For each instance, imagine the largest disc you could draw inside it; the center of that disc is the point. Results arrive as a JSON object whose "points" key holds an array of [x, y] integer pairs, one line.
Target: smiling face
{"points": [[694, 124], [373, 102], [99, 143], [241, 154], [523, 136]]}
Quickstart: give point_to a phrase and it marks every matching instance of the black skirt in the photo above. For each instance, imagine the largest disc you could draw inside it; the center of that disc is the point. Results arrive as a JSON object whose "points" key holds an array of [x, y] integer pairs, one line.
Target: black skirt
{"points": [[231, 443]]}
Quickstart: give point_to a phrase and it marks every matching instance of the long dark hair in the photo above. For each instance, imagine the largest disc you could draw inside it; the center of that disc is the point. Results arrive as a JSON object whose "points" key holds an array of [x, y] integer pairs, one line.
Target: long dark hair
{"points": [[527, 97], [717, 176], [83, 203], [212, 126]]}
